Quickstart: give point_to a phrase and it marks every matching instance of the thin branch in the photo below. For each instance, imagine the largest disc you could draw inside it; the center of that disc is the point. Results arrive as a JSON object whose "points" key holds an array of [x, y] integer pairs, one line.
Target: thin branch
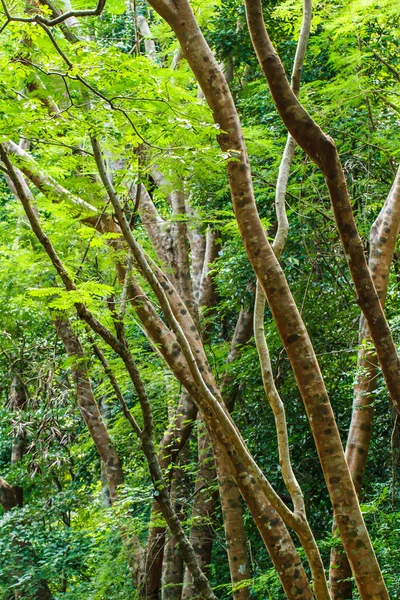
{"points": [[57, 20]]}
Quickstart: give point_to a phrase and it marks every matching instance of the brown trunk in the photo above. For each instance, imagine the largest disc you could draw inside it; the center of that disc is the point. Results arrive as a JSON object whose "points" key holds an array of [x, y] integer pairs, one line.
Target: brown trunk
{"points": [[173, 566], [235, 534], [171, 444], [89, 409], [286, 315], [205, 498], [253, 485], [383, 238], [322, 150], [232, 510]]}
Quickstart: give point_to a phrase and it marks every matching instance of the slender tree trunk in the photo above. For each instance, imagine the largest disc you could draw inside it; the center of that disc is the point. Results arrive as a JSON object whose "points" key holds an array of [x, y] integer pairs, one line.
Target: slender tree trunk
{"points": [[235, 534], [322, 150], [173, 566], [205, 499], [170, 446], [89, 408], [286, 315], [383, 236]]}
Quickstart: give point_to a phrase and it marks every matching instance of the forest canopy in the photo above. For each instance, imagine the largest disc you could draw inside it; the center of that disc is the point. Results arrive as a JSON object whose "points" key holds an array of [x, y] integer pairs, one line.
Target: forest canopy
{"points": [[199, 314]]}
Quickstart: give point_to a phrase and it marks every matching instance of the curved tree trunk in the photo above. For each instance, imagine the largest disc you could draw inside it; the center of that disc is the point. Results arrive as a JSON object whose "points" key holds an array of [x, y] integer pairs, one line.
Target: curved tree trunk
{"points": [[322, 150], [248, 476], [383, 236], [286, 315]]}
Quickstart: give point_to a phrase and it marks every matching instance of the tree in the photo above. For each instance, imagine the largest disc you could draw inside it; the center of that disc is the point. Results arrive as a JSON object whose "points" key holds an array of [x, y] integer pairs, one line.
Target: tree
{"points": [[149, 277]]}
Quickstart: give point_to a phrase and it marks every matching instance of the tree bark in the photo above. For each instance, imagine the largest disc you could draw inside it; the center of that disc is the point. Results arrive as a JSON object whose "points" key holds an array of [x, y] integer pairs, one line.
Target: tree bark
{"points": [[205, 499], [235, 534], [322, 150], [287, 317], [89, 408], [173, 565], [383, 236]]}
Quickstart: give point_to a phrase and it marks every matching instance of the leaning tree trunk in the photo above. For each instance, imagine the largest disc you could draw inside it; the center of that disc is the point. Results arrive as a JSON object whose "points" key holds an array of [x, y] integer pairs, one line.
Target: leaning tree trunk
{"points": [[322, 150], [286, 315], [89, 408], [255, 489], [383, 236]]}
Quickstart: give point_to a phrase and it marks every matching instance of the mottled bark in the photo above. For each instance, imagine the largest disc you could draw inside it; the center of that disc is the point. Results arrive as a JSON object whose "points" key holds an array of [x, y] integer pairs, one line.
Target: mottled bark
{"points": [[197, 240], [303, 529], [206, 298], [170, 446], [181, 244], [89, 408], [287, 317], [322, 150], [383, 236], [204, 506], [173, 565], [235, 534], [214, 412], [149, 44]]}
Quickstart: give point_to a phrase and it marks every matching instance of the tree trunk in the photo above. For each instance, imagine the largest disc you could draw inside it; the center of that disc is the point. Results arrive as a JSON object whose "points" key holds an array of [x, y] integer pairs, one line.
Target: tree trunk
{"points": [[89, 409], [173, 566], [170, 446], [383, 236], [322, 150], [235, 534], [286, 315], [205, 498]]}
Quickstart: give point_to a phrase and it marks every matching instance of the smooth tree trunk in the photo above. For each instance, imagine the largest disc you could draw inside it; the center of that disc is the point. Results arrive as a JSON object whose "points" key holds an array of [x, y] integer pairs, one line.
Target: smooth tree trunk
{"points": [[322, 150], [383, 236], [173, 565], [303, 529], [170, 447], [286, 315], [255, 489]]}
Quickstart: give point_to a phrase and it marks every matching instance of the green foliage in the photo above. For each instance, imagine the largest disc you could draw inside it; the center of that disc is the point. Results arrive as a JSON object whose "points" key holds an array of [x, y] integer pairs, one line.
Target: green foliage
{"points": [[150, 118]]}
